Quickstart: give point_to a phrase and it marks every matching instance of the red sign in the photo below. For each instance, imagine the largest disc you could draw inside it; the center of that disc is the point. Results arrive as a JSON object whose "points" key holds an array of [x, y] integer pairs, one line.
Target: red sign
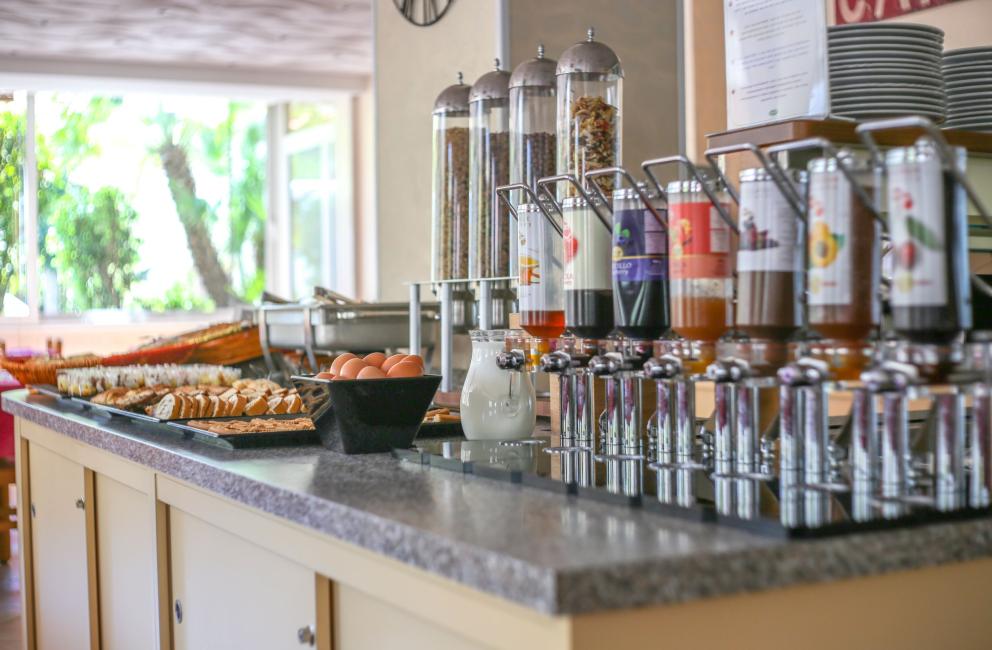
{"points": [[866, 11]]}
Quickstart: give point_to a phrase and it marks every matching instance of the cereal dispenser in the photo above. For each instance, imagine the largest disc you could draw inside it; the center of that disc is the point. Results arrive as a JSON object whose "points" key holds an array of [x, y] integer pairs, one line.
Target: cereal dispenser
{"points": [[590, 98], [450, 185], [532, 121], [489, 152]]}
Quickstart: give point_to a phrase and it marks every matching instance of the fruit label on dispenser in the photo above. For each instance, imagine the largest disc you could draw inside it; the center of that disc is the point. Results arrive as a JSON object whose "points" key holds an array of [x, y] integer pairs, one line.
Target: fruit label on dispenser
{"points": [[830, 200], [539, 286], [916, 224], [587, 251], [769, 230], [640, 246], [699, 242]]}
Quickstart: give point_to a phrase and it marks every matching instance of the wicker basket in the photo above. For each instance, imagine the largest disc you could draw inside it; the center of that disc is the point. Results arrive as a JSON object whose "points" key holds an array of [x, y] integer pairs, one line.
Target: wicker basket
{"points": [[43, 370]]}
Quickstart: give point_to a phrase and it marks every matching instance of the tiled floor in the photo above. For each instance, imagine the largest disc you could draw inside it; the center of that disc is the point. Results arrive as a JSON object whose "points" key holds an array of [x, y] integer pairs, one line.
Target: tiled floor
{"points": [[10, 601]]}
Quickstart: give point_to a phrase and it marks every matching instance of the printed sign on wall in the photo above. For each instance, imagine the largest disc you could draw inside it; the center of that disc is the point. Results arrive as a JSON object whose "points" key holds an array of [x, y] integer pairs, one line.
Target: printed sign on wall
{"points": [[866, 11], [776, 60]]}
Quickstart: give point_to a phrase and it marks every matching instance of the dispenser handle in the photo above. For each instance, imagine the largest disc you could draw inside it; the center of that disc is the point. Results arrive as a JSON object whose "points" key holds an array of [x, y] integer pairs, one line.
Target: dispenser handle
{"points": [[830, 151], [503, 190], [776, 173], [542, 186], [624, 174], [865, 132], [707, 190]]}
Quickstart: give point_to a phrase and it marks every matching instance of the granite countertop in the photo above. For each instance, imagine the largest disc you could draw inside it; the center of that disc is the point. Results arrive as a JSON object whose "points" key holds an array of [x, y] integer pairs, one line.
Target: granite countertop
{"points": [[535, 548]]}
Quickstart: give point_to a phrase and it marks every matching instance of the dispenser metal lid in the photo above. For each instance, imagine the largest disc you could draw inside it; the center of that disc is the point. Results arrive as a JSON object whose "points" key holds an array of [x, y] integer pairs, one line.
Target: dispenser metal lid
{"points": [[453, 99], [753, 174], [492, 85], [856, 162], [538, 72], [589, 57]]}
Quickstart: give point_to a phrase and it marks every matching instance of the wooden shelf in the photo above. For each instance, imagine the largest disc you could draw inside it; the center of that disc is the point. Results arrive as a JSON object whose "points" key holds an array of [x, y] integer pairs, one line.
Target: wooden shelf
{"points": [[839, 132]]}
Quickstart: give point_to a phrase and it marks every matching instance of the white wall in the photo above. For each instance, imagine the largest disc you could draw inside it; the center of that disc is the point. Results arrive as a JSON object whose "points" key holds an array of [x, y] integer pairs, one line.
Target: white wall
{"points": [[644, 34], [412, 65], [966, 23]]}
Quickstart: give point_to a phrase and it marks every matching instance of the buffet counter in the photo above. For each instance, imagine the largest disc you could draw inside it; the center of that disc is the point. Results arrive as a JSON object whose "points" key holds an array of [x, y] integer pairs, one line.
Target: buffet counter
{"points": [[140, 538]]}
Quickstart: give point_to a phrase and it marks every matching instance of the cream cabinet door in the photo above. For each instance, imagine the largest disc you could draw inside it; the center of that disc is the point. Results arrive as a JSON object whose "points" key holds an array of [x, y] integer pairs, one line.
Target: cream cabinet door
{"points": [[230, 594], [58, 525], [125, 525]]}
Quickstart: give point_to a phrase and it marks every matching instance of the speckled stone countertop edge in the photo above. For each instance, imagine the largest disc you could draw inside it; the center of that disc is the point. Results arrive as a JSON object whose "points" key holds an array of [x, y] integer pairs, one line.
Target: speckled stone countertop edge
{"points": [[517, 581], [592, 587]]}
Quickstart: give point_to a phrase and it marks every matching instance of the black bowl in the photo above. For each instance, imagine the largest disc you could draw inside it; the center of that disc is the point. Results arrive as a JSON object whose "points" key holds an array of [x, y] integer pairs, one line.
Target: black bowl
{"points": [[370, 416]]}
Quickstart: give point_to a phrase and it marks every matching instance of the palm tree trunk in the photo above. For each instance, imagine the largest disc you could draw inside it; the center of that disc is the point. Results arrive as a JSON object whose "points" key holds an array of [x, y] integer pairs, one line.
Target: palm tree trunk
{"points": [[192, 214]]}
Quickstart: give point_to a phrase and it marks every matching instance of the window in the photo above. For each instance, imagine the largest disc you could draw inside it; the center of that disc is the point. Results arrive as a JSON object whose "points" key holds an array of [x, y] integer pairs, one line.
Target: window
{"points": [[159, 203], [13, 275]]}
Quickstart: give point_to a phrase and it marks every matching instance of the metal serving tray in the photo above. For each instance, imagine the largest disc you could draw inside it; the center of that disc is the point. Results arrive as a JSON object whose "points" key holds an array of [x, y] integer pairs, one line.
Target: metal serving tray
{"points": [[357, 327]]}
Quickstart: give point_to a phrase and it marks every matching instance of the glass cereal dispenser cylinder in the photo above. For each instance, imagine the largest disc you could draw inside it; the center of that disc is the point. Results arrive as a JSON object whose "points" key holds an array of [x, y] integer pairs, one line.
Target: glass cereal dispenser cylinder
{"points": [[532, 122], [590, 93], [450, 191], [489, 152]]}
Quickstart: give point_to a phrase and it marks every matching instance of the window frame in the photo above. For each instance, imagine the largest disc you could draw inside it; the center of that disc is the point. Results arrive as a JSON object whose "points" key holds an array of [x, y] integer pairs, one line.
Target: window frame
{"points": [[278, 250]]}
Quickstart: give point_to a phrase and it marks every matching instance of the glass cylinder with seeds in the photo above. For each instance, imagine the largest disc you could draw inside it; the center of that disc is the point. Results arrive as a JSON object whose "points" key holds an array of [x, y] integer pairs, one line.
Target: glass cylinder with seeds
{"points": [[590, 97], [450, 185]]}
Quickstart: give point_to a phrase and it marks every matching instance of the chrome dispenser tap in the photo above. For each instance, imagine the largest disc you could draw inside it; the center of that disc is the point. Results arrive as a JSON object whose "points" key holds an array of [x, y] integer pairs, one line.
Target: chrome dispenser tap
{"points": [[674, 431], [621, 426], [576, 423]]}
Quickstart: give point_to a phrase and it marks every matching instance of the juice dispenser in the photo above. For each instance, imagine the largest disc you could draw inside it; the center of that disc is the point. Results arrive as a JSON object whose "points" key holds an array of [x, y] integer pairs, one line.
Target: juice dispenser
{"points": [[590, 98], [701, 241], [450, 185], [640, 265], [540, 289], [769, 259], [928, 221]]}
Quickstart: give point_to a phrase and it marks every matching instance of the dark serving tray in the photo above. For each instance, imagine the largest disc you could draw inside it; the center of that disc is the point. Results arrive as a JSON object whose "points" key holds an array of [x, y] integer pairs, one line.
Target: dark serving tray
{"points": [[441, 430]]}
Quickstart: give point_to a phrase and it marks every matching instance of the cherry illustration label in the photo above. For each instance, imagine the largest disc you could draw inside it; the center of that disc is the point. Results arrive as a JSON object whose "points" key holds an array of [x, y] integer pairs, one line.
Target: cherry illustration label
{"points": [[640, 247], [916, 224], [586, 250], [830, 199], [769, 230], [698, 242]]}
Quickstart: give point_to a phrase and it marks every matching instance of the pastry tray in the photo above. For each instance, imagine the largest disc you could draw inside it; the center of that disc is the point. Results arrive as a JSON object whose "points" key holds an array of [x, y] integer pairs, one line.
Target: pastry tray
{"points": [[136, 415], [250, 440]]}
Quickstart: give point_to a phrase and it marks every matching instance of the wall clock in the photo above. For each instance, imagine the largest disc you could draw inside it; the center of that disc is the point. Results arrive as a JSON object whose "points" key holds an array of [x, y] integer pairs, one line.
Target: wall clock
{"points": [[423, 13]]}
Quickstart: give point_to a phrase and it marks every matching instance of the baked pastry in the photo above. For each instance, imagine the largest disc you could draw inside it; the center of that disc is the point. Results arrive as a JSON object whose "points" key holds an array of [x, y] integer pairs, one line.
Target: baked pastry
{"points": [[257, 406], [167, 408], [237, 405]]}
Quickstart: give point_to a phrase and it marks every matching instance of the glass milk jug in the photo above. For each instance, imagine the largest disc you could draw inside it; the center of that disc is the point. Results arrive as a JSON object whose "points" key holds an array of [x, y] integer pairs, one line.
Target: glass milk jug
{"points": [[495, 404]]}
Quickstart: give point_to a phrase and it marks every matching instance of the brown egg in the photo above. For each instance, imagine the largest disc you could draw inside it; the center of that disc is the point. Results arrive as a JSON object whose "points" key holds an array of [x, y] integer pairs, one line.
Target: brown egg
{"points": [[340, 361], [352, 367], [415, 358], [375, 359], [371, 372], [340, 378], [324, 375], [392, 361], [405, 369]]}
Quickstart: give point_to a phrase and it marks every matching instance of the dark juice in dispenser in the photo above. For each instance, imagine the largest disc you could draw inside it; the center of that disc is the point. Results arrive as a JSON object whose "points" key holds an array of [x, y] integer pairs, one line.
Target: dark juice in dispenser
{"points": [[587, 280], [640, 268], [928, 221], [769, 260]]}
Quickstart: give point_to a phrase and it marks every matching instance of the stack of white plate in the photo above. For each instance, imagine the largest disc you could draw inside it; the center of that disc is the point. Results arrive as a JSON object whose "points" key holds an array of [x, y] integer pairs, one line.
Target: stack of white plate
{"points": [[885, 70], [968, 77]]}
